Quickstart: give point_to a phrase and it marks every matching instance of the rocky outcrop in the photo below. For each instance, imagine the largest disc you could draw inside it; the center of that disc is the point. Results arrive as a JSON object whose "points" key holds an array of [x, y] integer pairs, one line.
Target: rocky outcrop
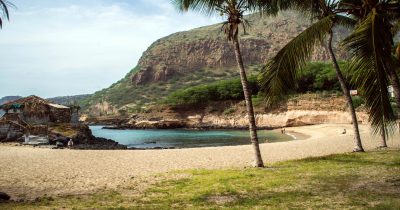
{"points": [[207, 47], [285, 119], [273, 120], [199, 56], [305, 109]]}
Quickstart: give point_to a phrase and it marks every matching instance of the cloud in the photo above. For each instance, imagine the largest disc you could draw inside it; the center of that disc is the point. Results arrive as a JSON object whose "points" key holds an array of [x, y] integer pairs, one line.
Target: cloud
{"points": [[66, 47]]}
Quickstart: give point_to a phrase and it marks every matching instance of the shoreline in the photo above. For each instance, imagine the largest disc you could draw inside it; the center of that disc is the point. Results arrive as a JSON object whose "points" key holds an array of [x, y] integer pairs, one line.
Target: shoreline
{"points": [[47, 172], [293, 135]]}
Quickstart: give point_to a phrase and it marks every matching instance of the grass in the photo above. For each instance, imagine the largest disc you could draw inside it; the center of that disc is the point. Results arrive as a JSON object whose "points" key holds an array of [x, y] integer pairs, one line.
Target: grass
{"points": [[351, 181]]}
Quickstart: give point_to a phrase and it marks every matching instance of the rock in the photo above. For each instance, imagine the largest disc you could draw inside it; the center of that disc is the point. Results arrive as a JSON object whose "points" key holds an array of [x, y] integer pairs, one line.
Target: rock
{"points": [[59, 144], [4, 197]]}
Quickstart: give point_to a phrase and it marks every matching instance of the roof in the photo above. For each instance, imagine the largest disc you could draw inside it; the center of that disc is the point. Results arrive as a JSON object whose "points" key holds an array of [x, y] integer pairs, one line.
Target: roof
{"points": [[58, 106], [32, 100]]}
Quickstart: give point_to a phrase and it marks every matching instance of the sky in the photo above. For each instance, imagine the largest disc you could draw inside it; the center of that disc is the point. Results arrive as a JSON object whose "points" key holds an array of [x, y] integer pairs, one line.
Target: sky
{"points": [[67, 47]]}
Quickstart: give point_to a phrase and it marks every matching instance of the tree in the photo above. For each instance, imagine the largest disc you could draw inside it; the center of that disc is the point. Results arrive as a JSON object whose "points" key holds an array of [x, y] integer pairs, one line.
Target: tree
{"points": [[4, 12], [280, 74], [371, 60], [233, 10]]}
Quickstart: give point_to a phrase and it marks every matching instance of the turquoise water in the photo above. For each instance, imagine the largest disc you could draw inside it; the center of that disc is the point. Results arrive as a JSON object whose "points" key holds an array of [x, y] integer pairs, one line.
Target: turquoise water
{"points": [[181, 138]]}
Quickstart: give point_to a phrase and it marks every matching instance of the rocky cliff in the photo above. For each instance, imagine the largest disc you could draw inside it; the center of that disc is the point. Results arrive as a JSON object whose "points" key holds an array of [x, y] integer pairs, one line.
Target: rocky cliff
{"points": [[207, 47], [307, 109], [198, 56]]}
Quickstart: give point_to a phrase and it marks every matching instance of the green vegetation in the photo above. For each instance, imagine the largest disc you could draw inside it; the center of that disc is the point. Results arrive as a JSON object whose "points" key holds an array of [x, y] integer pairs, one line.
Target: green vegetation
{"points": [[315, 77], [218, 91], [125, 92], [350, 181]]}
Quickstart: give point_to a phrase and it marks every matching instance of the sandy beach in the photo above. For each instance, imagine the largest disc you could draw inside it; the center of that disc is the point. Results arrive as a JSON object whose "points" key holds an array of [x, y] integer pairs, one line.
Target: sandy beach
{"points": [[28, 173]]}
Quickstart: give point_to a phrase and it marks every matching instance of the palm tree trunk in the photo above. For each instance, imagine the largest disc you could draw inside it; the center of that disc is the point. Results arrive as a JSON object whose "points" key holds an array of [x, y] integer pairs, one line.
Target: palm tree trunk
{"points": [[258, 162], [383, 137], [357, 139]]}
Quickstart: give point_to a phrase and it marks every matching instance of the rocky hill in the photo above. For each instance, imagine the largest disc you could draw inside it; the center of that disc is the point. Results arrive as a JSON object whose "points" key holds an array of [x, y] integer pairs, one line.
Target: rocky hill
{"points": [[198, 56], [7, 99], [67, 100]]}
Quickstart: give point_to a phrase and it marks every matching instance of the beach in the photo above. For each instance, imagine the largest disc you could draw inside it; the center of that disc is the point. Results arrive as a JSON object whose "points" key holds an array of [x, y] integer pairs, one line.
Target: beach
{"points": [[28, 173]]}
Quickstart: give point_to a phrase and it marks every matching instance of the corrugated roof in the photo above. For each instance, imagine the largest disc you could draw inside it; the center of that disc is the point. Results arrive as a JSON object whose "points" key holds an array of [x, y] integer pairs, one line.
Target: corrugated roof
{"points": [[58, 106]]}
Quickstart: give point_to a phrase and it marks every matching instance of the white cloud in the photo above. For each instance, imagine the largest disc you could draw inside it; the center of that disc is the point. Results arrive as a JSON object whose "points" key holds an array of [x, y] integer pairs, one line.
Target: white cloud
{"points": [[72, 48]]}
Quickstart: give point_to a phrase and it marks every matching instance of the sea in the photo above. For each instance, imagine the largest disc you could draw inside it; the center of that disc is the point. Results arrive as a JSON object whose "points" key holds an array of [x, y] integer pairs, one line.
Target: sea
{"points": [[185, 138]]}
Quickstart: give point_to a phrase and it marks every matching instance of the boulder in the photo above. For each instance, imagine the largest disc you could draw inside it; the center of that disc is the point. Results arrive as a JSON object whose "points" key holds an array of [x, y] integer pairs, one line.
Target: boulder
{"points": [[4, 197]]}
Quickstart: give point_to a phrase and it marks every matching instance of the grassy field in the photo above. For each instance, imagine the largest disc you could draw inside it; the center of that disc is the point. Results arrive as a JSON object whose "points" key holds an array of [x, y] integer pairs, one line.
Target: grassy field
{"points": [[350, 181]]}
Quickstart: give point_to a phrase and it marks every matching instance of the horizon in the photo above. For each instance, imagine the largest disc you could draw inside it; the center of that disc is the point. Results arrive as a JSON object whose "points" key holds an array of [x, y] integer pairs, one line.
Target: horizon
{"points": [[72, 43]]}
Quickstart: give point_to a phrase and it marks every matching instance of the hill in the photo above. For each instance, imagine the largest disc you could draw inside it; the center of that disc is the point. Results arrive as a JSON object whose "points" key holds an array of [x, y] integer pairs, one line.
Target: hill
{"points": [[7, 99], [198, 56], [67, 100]]}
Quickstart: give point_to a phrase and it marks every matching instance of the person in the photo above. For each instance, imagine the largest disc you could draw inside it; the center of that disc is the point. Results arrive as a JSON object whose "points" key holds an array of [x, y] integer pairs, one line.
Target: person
{"points": [[344, 131], [70, 143], [26, 138]]}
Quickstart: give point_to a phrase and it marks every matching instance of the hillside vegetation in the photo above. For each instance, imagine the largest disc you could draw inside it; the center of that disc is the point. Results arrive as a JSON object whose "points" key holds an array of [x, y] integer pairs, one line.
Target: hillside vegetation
{"points": [[198, 57], [316, 77]]}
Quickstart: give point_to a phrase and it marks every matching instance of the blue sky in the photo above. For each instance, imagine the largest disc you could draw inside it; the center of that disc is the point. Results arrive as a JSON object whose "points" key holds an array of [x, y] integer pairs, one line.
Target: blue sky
{"points": [[67, 47]]}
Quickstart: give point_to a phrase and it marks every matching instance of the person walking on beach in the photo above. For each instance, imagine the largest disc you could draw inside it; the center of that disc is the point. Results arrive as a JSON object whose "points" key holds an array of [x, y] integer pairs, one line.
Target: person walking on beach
{"points": [[70, 144]]}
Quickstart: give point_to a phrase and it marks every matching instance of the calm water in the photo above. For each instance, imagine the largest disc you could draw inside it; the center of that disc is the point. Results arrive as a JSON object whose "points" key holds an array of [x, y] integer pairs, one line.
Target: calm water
{"points": [[180, 138]]}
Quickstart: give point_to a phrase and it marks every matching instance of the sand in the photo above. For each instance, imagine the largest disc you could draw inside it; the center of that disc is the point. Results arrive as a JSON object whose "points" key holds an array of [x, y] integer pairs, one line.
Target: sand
{"points": [[28, 173]]}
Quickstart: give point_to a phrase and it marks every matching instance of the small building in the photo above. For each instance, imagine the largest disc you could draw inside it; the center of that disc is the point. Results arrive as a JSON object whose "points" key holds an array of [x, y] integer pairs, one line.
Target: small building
{"points": [[36, 110], [32, 115]]}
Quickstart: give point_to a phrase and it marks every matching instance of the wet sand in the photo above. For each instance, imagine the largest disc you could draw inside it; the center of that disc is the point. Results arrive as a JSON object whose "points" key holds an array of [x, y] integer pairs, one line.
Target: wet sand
{"points": [[28, 173]]}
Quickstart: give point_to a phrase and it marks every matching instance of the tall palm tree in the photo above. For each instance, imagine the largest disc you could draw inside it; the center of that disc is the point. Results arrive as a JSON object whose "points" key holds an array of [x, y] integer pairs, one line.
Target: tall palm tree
{"points": [[372, 64], [4, 13], [233, 10], [279, 76]]}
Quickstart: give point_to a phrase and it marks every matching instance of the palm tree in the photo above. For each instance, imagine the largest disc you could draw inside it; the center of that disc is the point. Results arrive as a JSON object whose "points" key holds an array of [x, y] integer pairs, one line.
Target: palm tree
{"points": [[371, 63], [4, 5], [233, 10], [279, 76]]}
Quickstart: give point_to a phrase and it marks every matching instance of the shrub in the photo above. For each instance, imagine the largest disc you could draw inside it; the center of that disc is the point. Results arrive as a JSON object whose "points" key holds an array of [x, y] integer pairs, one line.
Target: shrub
{"points": [[217, 91], [229, 111], [357, 101]]}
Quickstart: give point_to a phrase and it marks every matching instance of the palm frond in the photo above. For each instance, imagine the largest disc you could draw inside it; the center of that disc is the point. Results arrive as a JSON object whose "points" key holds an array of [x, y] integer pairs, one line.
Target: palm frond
{"points": [[4, 12], [279, 76], [370, 48], [212, 7], [345, 21]]}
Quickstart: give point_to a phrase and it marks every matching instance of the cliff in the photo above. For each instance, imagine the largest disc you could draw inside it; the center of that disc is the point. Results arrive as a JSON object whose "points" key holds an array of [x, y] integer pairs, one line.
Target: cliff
{"points": [[198, 56], [207, 47], [304, 109]]}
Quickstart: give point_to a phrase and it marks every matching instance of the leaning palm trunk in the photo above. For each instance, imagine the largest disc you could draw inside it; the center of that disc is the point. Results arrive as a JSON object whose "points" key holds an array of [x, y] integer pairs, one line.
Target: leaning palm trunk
{"points": [[258, 162], [383, 137], [357, 139]]}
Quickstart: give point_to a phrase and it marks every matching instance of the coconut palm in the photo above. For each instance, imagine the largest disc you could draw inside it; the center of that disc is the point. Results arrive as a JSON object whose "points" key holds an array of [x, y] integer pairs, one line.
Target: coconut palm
{"points": [[4, 13], [371, 62], [233, 10], [279, 75]]}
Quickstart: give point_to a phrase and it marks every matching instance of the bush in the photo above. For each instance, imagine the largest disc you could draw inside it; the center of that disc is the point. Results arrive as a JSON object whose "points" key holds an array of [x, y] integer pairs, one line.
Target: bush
{"points": [[229, 111], [357, 101], [317, 76], [217, 91]]}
